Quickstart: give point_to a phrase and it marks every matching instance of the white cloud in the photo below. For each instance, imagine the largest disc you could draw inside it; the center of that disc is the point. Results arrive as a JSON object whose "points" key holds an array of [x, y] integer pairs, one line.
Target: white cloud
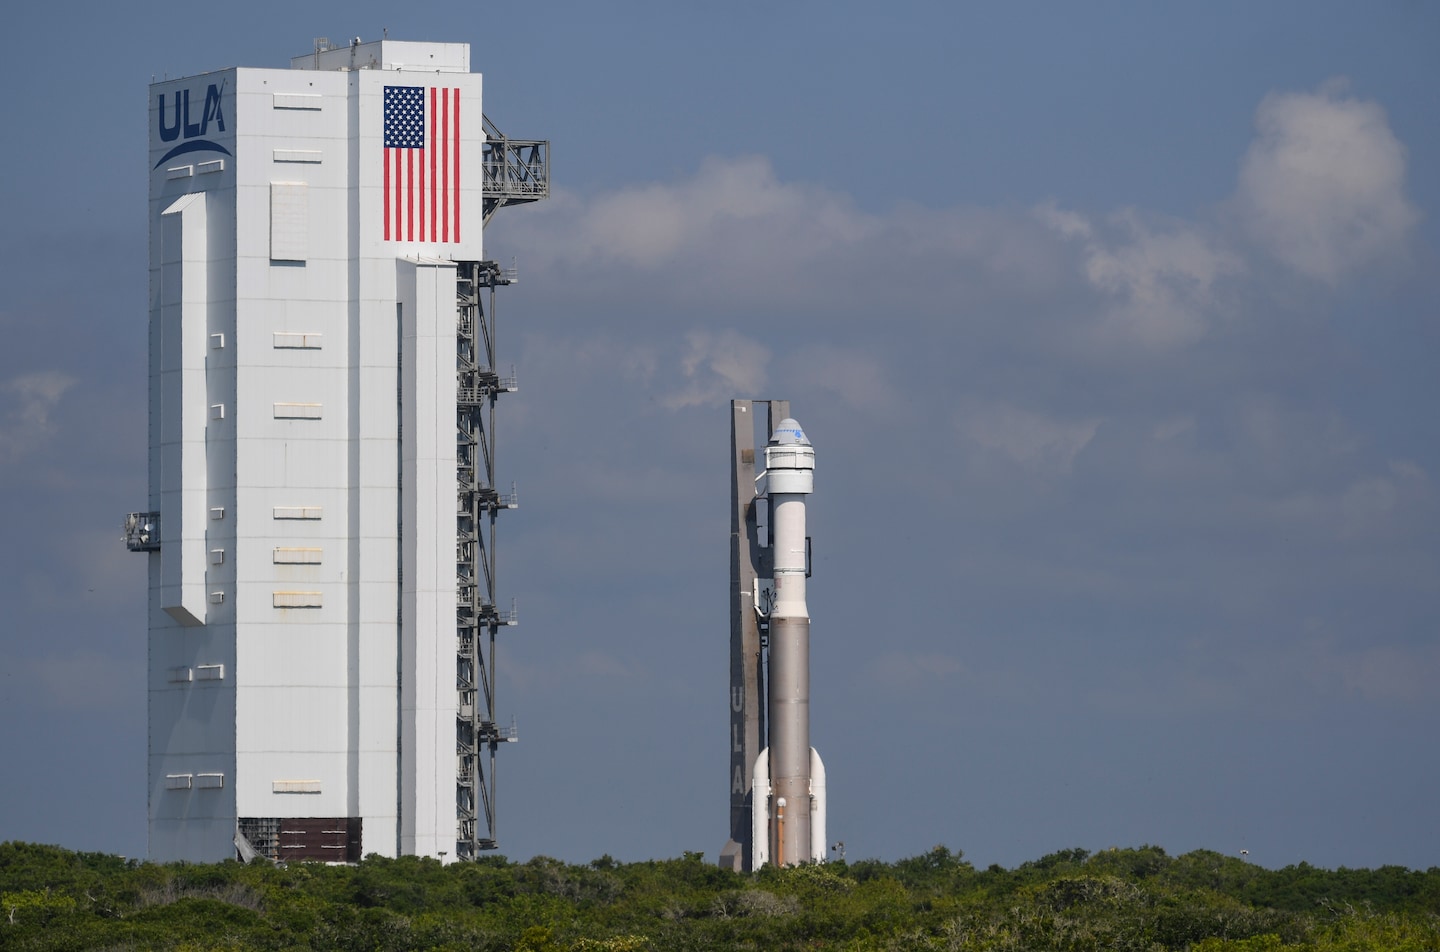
{"points": [[1167, 430], [1384, 502], [1323, 185], [30, 399], [594, 355], [1285, 674], [1373, 672], [858, 380], [1160, 284], [1038, 444], [645, 227], [734, 240], [718, 366], [1390, 673], [1285, 441]]}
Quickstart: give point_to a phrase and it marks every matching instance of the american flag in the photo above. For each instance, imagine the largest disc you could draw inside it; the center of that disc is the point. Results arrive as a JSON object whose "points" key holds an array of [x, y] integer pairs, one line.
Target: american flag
{"points": [[422, 163]]}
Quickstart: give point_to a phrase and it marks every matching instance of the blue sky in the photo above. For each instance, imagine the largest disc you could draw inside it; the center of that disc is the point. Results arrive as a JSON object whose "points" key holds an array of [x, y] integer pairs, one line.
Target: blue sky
{"points": [[1113, 326]]}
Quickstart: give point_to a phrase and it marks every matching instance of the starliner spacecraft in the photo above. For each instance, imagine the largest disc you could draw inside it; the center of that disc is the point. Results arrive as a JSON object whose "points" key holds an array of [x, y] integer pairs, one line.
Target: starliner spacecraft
{"points": [[777, 781]]}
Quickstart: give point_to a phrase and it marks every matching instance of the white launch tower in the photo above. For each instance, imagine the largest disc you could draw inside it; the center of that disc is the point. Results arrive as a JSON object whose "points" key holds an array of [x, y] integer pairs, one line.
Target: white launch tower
{"points": [[321, 521]]}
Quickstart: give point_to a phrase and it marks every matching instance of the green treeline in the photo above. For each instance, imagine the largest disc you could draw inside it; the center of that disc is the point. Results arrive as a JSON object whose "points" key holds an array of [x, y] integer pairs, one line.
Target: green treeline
{"points": [[1126, 899]]}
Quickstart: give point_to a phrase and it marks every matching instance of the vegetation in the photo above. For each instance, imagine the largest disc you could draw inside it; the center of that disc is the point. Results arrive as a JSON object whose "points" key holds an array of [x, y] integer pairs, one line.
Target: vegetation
{"points": [[1126, 899]]}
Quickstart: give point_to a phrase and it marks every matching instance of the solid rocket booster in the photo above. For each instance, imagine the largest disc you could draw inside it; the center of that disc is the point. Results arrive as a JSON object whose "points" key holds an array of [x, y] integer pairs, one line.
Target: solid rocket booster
{"points": [[795, 813]]}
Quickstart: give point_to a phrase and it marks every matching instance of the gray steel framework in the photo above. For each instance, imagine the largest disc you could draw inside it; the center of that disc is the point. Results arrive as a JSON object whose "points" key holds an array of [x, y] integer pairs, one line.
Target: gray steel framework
{"points": [[516, 170], [478, 503]]}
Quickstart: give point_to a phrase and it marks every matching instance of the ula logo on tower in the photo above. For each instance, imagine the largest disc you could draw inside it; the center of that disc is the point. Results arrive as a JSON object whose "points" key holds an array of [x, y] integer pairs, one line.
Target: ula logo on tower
{"points": [[177, 121]]}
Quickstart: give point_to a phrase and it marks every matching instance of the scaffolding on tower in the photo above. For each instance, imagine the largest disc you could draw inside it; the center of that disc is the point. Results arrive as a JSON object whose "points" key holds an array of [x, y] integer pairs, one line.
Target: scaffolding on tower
{"points": [[516, 172]]}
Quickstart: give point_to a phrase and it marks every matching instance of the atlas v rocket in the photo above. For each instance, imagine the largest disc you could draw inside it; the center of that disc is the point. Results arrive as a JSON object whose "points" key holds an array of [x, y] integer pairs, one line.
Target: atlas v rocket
{"points": [[777, 781]]}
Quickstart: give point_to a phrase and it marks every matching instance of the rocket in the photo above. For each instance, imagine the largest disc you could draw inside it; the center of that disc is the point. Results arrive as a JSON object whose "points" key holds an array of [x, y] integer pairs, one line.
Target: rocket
{"points": [[776, 779], [788, 789]]}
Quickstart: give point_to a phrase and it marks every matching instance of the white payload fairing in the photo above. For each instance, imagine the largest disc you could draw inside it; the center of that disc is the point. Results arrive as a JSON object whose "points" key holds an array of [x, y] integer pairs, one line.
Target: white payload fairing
{"points": [[788, 792]]}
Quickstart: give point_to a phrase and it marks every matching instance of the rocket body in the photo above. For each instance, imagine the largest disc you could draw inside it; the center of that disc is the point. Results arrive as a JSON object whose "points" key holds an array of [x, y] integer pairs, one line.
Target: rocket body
{"points": [[789, 479], [777, 780]]}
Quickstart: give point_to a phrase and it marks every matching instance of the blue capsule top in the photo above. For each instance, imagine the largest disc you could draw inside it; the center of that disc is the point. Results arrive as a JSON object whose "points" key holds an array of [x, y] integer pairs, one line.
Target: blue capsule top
{"points": [[788, 433]]}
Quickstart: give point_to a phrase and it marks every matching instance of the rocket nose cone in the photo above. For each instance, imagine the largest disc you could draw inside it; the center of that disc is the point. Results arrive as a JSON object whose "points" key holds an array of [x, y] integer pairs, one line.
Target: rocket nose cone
{"points": [[788, 433]]}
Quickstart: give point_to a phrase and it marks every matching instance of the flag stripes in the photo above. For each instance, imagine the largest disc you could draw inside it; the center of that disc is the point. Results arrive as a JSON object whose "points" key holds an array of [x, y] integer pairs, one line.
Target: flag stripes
{"points": [[422, 164]]}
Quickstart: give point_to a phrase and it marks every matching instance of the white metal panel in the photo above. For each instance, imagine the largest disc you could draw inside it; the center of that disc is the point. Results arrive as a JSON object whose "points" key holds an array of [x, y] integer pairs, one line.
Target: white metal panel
{"points": [[280, 286], [255, 792], [298, 411], [194, 838], [297, 717], [275, 515], [197, 724], [297, 599], [374, 412], [184, 334], [302, 654], [303, 156], [298, 340], [426, 291], [312, 101], [297, 555], [298, 512], [331, 218], [289, 221], [293, 731]]}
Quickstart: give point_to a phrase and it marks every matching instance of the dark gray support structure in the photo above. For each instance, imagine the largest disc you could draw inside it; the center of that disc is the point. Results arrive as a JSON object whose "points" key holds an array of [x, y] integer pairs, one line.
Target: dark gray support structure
{"points": [[516, 170], [478, 618], [748, 560]]}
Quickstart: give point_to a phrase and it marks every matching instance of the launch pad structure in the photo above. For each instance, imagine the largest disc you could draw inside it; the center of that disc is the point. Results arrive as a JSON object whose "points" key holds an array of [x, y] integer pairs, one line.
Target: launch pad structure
{"points": [[323, 504]]}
